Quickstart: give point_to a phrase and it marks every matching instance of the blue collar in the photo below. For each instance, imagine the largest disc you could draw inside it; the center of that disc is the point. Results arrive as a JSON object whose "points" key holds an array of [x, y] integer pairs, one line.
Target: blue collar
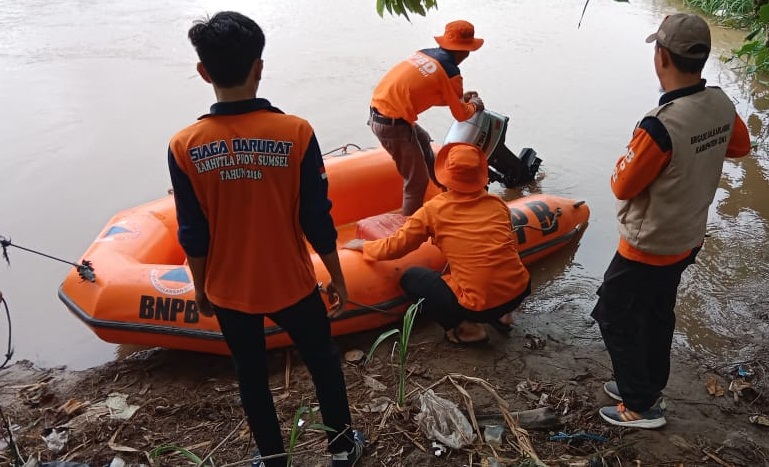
{"points": [[240, 107]]}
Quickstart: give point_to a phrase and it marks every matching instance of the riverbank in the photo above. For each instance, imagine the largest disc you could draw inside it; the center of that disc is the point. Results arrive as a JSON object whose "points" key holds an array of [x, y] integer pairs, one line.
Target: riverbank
{"points": [[190, 400]]}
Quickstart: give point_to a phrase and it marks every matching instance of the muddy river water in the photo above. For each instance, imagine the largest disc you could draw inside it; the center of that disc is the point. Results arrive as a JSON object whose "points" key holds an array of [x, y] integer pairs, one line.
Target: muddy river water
{"points": [[91, 91]]}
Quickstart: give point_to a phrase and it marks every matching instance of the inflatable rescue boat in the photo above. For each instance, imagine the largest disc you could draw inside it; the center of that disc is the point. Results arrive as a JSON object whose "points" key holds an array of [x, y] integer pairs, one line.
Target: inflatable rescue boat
{"points": [[135, 288]]}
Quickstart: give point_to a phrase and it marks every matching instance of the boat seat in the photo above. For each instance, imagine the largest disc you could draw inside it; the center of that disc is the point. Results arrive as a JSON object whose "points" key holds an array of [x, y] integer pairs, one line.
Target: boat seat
{"points": [[379, 226]]}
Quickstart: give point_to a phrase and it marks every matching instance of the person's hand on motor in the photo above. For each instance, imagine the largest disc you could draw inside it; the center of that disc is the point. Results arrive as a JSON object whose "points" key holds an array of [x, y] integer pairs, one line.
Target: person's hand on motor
{"points": [[469, 95], [478, 103]]}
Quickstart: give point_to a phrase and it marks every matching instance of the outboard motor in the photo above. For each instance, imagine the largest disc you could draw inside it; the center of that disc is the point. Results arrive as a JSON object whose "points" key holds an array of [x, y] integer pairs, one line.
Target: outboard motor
{"points": [[486, 130]]}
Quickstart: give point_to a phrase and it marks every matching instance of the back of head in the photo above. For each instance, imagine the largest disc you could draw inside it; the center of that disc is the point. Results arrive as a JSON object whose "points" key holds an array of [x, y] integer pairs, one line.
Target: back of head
{"points": [[687, 38], [227, 44]]}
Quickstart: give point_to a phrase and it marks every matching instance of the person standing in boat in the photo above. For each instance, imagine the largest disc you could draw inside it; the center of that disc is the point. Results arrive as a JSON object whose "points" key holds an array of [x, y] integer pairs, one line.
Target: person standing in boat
{"points": [[486, 280], [665, 183], [428, 78], [243, 222]]}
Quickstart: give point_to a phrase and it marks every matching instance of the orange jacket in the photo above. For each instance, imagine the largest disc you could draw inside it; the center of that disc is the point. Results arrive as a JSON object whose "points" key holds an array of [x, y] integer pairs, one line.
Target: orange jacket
{"points": [[428, 78], [249, 184], [475, 234]]}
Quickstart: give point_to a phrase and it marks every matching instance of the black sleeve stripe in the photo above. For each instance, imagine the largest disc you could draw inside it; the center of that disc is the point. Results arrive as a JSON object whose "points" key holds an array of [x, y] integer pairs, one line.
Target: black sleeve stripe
{"points": [[654, 127]]}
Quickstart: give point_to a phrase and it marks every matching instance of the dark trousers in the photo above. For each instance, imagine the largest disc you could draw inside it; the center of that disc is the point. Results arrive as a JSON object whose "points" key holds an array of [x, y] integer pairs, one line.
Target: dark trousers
{"points": [[635, 312], [310, 329], [441, 305]]}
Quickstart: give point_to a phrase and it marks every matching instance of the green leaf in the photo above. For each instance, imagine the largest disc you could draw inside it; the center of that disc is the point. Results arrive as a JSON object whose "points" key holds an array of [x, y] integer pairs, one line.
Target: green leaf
{"points": [[753, 34], [382, 337], [380, 4], [763, 14], [158, 451], [320, 426]]}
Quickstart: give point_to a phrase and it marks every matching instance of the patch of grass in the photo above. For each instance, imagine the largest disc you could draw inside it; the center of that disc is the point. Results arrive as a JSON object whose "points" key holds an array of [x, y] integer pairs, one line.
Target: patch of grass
{"points": [[752, 15], [187, 454], [401, 347]]}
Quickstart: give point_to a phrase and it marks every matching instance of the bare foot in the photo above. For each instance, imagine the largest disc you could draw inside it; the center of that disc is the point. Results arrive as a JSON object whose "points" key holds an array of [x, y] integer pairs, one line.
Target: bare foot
{"points": [[506, 318]]}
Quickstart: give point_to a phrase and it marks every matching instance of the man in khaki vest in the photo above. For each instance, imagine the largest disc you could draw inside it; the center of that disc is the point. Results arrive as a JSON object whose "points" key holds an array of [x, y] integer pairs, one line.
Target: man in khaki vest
{"points": [[665, 183]]}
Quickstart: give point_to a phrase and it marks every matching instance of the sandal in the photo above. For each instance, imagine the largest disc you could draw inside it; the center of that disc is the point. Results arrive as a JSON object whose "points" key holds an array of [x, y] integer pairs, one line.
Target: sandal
{"points": [[452, 337]]}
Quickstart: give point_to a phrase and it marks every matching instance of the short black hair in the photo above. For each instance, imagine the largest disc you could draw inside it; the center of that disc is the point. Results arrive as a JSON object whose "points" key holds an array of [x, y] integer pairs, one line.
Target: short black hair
{"points": [[227, 45], [689, 65]]}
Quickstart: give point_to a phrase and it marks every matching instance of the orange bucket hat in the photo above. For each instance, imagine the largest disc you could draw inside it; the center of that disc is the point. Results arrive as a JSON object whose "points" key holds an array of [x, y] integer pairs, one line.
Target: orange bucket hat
{"points": [[462, 167], [459, 35]]}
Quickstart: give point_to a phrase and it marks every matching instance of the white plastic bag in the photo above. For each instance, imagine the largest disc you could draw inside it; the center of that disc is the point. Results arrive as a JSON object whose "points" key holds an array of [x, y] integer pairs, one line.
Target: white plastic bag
{"points": [[441, 420]]}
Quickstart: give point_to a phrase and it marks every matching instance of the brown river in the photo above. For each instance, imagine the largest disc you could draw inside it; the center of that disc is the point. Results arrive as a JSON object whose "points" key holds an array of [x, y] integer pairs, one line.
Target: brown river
{"points": [[92, 90]]}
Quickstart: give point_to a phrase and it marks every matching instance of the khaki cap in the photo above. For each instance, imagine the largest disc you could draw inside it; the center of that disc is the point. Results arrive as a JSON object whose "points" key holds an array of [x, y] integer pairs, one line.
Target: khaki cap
{"points": [[684, 34]]}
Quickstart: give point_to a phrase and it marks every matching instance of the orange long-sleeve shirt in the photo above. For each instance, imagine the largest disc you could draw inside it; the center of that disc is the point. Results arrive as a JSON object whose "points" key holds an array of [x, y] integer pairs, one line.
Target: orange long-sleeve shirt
{"points": [[426, 79], [648, 153], [475, 234]]}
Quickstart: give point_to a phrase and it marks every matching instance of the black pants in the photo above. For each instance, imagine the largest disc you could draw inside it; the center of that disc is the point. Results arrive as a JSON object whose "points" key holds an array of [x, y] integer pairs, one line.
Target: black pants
{"points": [[441, 305], [635, 312], [310, 329]]}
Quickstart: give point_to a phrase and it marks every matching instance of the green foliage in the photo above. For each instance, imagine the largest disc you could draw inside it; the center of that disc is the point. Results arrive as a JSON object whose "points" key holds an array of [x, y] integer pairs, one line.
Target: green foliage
{"points": [[401, 347], [297, 428], [754, 52], [189, 455], [404, 7]]}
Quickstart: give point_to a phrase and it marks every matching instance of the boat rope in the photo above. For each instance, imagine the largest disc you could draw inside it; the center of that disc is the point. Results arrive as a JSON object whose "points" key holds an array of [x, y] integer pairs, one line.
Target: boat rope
{"points": [[343, 149], [84, 269], [362, 305], [9, 352], [549, 228]]}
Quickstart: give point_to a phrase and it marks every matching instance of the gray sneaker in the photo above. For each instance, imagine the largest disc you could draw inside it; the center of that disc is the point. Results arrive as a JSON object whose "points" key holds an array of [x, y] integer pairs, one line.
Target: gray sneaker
{"points": [[621, 416], [257, 462], [612, 390], [351, 457]]}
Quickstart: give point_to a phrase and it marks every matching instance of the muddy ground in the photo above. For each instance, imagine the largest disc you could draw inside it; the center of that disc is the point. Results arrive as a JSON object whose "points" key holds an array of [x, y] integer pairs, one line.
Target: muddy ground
{"points": [[190, 400]]}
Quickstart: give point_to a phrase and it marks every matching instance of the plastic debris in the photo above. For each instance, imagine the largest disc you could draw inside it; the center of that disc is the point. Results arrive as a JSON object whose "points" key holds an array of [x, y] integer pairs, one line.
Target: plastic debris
{"points": [[561, 436], [118, 407], [744, 371], [438, 449], [737, 386], [441, 420], [493, 434], [56, 439], [759, 419]]}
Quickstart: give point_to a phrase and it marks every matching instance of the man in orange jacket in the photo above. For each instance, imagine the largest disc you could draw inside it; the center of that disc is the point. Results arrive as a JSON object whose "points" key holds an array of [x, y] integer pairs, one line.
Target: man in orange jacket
{"points": [[486, 280], [428, 78]]}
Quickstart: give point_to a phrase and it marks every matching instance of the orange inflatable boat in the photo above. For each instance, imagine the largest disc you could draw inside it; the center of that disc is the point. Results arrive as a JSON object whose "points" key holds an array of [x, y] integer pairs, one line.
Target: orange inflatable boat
{"points": [[142, 292]]}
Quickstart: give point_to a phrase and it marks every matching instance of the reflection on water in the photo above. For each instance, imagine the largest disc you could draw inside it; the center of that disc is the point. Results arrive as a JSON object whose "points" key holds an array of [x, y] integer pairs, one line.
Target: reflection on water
{"points": [[90, 102]]}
